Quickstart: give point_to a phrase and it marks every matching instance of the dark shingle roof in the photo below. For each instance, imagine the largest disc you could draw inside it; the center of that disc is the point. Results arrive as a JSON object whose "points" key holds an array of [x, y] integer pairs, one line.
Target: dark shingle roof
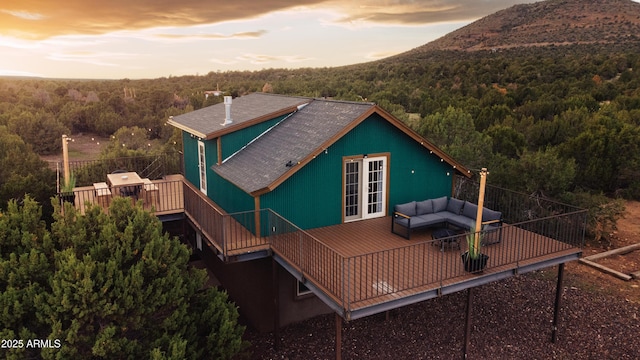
{"points": [[295, 138], [208, 121]]}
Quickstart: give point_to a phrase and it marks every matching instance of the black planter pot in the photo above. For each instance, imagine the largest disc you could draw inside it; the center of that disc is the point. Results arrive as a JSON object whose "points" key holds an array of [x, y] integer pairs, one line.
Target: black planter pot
{"points": [[474, 265]]}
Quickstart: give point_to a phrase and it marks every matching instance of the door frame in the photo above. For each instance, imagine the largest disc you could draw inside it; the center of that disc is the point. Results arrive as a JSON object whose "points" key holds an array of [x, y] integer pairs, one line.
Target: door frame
{"points": [[202, 166], [363, 195]]}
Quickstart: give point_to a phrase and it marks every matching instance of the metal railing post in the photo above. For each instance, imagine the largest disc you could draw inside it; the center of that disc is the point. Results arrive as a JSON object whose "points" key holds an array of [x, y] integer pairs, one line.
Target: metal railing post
{"points": [[300, 255], [224, 235]]}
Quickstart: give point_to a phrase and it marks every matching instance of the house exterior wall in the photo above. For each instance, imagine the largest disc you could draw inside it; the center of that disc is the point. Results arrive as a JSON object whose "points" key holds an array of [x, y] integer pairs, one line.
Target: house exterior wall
{"points": [[250, 286], [312, 197], [190, 149], [222, 192]]}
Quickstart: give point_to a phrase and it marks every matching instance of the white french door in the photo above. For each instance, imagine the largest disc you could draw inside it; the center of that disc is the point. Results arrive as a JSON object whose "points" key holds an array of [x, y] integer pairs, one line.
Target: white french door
{"points": [[202, 167], [365, 187]]}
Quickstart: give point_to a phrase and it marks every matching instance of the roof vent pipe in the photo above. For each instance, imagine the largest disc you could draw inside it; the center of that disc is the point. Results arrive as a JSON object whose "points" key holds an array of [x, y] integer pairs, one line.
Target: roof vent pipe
{"points": [[227, 110]]}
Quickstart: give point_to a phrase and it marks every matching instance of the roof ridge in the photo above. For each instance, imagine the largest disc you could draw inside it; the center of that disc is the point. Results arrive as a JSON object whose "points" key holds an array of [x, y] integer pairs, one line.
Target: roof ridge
{"points": [[346, 101], [280, 95]]}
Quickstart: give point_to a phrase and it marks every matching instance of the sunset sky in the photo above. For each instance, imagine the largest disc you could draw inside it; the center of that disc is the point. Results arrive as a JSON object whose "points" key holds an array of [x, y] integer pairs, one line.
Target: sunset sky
{"points": [[157, 38]]}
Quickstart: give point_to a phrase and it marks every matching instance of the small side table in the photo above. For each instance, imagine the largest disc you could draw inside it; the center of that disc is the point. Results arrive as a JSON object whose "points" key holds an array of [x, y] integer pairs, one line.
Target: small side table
{"points": [[445, 237]]}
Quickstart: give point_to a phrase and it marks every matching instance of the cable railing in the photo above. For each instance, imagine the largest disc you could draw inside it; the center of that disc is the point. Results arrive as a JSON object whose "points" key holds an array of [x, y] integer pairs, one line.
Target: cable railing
{"points": [[153, 167]]}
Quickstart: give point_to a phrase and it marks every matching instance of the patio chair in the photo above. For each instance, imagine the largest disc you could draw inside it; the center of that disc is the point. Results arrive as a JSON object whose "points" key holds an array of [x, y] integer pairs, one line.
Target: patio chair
{"points": [[132, 191]]}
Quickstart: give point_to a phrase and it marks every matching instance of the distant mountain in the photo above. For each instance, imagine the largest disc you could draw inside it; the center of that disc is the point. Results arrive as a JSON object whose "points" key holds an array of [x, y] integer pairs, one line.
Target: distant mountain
{"points": [[551, 22]]}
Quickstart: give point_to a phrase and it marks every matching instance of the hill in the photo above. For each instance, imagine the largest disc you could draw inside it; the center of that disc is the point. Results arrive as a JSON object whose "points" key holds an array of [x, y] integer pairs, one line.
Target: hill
{"points": [[551, 22]]}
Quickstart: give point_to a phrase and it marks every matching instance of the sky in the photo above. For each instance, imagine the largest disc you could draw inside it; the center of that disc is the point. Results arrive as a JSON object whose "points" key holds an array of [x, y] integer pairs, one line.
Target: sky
{"points": [[138, 39]]}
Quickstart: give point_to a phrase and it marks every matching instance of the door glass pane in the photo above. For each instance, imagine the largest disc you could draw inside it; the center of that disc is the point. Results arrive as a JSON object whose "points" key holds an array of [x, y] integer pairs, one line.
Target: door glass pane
{"points": [[375, 186], [352, 189]]}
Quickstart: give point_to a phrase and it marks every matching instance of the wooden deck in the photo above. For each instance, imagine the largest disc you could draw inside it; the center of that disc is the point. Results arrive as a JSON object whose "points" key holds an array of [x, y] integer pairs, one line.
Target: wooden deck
{"points": [[361, 268], [166, 200], [365, 268]]}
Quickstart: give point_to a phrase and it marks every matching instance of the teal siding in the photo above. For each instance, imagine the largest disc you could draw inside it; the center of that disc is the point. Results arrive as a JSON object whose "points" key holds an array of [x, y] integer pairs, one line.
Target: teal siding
{"points": [[191, 159], [234, 141], [228, 196], [190, 147], [312, 197]]}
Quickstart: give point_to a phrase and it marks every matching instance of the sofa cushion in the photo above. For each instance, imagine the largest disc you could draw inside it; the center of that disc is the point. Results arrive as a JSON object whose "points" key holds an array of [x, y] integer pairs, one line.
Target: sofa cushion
{"points": [[470, 210], [439, 204], [429, 219], [419, 221], [461, 221], [408, 209], [455, 206], [424, 207], [489, 215]]}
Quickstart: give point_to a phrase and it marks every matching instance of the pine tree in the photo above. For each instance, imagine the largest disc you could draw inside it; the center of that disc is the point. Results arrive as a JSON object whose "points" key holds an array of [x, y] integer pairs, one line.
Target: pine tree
{"points": [[109, 285]]}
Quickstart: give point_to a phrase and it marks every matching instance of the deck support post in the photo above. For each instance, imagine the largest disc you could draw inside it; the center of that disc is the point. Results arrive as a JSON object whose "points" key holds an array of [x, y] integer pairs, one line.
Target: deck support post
{"points": [[65, 159], [467, 331], [276, 304], [338, 337], [556, 308]]}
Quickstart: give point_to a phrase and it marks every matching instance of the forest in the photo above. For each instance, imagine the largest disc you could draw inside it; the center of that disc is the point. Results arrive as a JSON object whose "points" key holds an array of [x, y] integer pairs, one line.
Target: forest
{"points": [[560, 122]]}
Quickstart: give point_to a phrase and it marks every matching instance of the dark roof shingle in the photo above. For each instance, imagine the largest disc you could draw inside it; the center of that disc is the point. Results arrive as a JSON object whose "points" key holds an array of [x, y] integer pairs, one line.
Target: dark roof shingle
{"points": [[295, 138], [207, 121]]}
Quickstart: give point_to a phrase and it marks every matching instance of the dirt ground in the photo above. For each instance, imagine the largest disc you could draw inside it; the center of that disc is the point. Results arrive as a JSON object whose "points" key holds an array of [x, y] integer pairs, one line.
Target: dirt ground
{"points": [[81, 147], [628, 233]]}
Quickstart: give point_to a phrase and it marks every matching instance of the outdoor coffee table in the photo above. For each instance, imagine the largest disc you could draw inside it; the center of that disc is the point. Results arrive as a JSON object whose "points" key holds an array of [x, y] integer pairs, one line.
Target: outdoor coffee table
{"points": [[447, 237]]}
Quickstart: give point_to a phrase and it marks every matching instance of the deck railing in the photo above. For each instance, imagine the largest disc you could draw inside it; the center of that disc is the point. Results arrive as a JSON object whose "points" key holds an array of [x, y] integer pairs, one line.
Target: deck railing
{"points": [[419, 267], [153, 167], [390, 273], [166, 197], [354, 281]]}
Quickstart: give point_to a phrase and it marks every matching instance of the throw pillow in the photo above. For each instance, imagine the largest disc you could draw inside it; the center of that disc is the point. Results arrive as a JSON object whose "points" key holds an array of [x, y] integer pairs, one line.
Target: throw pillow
{"points": [[455, 206], [470, 210], [439, 204], [424, 207], [408, 209]]}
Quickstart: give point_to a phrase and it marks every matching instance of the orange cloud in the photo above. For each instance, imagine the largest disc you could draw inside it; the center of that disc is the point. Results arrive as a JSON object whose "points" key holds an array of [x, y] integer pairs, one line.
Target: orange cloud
{"points": [[416, 12], [241, 35], [41, 19], [265, 59]]}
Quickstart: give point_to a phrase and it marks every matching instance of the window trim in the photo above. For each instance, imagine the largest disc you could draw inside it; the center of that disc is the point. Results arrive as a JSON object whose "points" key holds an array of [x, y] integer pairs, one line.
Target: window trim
{"points": [[300, 293]]}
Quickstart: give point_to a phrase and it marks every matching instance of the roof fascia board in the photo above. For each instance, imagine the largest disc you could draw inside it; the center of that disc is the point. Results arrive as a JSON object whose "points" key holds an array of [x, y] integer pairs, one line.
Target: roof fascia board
{"points": [[187, 129]]}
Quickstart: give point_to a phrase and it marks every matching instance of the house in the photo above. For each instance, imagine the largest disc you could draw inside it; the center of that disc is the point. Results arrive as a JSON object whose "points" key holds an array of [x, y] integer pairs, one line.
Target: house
{"points": [[315, 163], [289, 200]]}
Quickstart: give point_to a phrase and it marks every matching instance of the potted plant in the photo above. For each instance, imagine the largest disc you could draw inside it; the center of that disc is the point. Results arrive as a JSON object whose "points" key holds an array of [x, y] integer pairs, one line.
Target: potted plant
{"points": [[66, 191], [474, 261]]}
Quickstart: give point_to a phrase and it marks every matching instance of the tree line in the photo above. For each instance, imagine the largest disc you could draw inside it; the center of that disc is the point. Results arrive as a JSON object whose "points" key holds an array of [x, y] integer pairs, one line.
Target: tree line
{"points": [[551, 121]]}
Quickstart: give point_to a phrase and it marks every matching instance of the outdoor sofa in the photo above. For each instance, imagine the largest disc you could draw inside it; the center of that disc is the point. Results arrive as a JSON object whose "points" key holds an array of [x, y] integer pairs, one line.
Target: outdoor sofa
{"points": [[445, 211]]}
